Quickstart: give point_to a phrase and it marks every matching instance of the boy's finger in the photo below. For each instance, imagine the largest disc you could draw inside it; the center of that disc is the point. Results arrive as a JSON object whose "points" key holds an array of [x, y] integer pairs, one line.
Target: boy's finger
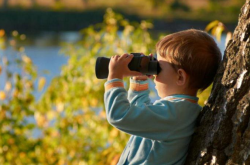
{"points": [[124, 55], [116, 57], [129, 58]]}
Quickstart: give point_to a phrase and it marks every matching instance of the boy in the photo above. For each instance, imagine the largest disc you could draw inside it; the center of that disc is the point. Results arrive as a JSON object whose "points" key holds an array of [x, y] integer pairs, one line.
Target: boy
{"points": [[161, 131]]}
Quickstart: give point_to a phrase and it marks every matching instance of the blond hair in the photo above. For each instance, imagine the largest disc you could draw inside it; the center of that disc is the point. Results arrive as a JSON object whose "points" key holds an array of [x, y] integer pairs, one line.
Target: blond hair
{"points": [[195, 52]]}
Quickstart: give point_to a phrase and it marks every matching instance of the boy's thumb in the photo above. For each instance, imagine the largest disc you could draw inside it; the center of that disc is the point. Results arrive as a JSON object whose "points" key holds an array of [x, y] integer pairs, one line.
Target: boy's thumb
{"points": [[129, 58]]}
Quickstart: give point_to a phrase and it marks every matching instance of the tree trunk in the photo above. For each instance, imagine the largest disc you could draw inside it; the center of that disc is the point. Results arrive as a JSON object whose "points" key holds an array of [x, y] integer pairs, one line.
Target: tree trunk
{"points": [[223, 133]]}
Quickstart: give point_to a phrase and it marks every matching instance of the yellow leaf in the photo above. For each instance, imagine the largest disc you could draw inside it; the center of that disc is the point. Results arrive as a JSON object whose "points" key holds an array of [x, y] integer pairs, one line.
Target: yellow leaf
{"points": [[103, 114], [211, 25], [218, 32], [213, 32], [29, 84], [41, 83], [11, 141], [23, 37], [61, 162], [15, 33], [0, 69], [2, 95], [15, 93], [55, 133], [40, 119], [2, 114], [85, 102], [79, 119], [72, 153], [22, 155], [114, 132], [51, 115], [8, 86], [26, 59], [83, 163], [21, 49], [2, 32], [94, 102], [59, 106], [115, 159]]}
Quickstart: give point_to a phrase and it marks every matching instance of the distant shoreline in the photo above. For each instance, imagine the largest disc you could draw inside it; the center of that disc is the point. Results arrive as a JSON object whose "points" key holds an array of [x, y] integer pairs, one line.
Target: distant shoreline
{"points": [[32, 21]]}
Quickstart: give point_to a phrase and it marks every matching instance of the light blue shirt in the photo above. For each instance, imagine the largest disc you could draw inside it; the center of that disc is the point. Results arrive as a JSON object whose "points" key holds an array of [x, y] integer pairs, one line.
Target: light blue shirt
{"points": [[161, 132]]}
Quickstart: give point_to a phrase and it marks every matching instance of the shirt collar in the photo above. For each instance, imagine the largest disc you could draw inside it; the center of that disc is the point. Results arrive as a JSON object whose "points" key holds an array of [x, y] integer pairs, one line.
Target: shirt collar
{"points": [[193, 99]]}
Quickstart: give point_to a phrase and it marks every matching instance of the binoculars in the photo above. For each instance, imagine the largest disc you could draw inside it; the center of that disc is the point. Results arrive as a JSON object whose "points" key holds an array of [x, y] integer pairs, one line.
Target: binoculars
{"points": [[147, 65]]}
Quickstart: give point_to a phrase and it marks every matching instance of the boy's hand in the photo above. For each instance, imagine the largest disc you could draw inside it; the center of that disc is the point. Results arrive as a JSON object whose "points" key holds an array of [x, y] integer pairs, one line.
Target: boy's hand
{"points": [[118, 67]]}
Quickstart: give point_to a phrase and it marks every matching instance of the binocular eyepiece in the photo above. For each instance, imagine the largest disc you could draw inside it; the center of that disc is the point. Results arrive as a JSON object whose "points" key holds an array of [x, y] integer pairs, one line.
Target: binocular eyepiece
{"points": [[147, 65]]}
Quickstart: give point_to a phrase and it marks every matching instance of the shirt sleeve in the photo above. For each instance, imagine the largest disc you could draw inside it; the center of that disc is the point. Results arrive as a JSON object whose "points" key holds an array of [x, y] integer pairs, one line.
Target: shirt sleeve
{"points": [[154, 121], [138, 92]]}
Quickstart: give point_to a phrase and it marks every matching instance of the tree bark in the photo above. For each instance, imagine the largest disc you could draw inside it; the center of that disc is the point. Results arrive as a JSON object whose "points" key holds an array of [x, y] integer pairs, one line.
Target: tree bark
{"points": [[223, 133]]}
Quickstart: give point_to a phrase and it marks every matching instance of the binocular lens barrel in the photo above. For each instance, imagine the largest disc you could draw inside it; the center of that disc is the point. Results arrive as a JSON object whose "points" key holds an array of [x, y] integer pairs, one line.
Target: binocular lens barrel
{"points": [[139, 63], [102, 67]]}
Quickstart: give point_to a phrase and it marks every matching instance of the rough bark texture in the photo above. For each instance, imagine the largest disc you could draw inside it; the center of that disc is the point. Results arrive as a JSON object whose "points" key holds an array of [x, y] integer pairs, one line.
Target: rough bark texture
{"points": [[223, 134]]}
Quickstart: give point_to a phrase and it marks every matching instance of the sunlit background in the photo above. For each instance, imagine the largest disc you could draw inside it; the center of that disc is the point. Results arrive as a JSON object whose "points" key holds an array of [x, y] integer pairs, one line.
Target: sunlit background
{"points": [[51, 104]]}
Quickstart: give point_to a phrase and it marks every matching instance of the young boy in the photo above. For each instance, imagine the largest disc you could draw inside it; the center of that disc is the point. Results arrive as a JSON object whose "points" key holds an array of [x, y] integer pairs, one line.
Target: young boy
{"points": [[161, 131]]}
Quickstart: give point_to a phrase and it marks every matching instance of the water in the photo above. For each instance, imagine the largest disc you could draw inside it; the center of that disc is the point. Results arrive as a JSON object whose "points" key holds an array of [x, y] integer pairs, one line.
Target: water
{"points": [[44, 50]]}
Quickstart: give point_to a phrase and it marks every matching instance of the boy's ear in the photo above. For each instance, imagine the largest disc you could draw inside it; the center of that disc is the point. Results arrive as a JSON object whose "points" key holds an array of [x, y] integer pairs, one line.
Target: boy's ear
{"points": [[182, 77]]}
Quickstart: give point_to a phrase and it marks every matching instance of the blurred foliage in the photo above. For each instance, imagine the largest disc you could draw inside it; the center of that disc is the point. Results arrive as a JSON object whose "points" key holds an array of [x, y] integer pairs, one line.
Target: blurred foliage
{"points": [[17, 102], [204, 95], [67, 125]]}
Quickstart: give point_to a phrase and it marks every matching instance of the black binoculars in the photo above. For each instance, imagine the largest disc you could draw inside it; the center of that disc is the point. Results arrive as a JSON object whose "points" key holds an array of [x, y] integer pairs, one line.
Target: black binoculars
{"points": [[147, 65]]}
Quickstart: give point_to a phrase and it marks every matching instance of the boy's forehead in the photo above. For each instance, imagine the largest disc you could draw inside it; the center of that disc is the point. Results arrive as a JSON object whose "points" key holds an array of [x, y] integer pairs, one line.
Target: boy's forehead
{"points": [[159, 57], [157, 54]]}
